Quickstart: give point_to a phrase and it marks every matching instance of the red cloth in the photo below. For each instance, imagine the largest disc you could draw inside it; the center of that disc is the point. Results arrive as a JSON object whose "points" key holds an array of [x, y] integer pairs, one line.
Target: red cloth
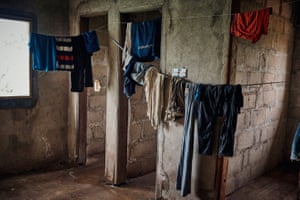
{"points": [[250, 25]]}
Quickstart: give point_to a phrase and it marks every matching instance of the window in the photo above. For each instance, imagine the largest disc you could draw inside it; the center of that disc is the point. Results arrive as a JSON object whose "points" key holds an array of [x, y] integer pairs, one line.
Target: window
{"points": [[17, 80]]}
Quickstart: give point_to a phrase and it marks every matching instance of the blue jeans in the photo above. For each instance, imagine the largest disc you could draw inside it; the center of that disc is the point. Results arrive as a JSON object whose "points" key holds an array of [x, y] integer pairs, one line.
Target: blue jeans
{"points": [[295, 152], [206, 103], [183, 181]]}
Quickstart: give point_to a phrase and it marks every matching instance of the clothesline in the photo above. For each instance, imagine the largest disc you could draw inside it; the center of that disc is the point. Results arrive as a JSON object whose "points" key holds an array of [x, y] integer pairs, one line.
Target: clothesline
{"points": [[265, 83]]}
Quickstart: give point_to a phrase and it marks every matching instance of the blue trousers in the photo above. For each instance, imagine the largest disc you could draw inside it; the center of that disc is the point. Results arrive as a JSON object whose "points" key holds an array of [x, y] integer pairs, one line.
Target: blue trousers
{"points": [[205, 103]]}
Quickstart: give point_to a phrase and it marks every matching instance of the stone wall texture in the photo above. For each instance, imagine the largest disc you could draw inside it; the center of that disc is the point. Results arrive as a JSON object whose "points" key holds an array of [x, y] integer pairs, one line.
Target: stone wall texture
{"points": [[263, 68]]}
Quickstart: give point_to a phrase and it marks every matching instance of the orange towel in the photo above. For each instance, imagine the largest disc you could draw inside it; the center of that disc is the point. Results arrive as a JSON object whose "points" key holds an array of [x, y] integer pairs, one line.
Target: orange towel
{"points": [[250, 25]]}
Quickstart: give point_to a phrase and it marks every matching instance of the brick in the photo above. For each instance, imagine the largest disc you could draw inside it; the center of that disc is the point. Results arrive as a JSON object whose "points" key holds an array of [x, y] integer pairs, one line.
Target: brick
{"points": [[269, 98], [251, 58], [256, 155], [255, 77], [273, 113], [135, 131], [148, 130], [258, 117], [243, 120], [281, 42], [245, 140], [241, 77], [139, 111], [268, 77], [143, 148], [249, 101], [276, 24], [235, 164]]}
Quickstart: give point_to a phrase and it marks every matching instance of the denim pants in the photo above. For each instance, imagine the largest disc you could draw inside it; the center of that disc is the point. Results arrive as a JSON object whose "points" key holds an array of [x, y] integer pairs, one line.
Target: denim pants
{"points": [[183, 181], [206, 103], [295, 152]]}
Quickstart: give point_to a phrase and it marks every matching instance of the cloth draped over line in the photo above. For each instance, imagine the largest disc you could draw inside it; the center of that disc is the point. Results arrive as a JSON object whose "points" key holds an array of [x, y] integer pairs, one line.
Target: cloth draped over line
{"points": [[51, 53], [250, 25]]}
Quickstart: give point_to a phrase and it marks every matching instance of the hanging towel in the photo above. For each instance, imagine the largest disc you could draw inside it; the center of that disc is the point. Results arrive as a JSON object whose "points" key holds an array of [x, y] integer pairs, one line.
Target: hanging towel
{"points": [[43, 51], [64, 53], [250, 25], [91, 41], [154, 92], [145, 40]]}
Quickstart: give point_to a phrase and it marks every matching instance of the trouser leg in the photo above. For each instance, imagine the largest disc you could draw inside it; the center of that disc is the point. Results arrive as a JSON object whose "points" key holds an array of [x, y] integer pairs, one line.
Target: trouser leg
{"points": [[183, 181]]}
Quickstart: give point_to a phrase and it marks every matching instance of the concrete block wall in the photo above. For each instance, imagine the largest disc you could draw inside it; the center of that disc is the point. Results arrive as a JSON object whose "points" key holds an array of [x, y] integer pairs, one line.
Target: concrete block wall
{"points": [[96, 101], [261, 129], [142, 138]]}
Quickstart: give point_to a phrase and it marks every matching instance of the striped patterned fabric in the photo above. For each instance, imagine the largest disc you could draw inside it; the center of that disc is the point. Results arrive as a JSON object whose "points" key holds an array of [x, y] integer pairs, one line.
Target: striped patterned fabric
{"points": [[64, 54]]}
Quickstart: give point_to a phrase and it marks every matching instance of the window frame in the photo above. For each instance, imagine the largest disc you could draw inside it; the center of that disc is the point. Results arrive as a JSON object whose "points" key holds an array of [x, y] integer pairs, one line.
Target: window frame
{"points": [[22, 101]]}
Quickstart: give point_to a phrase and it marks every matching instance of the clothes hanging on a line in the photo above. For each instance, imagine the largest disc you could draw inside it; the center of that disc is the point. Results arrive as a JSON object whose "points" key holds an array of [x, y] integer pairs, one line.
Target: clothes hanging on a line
{"points": [[64, 53], [154, 92], [175, 105], [295, 150], [145, 40], [142, 40], [250, 25], [43, 50], [51, 53], [205, 103]]}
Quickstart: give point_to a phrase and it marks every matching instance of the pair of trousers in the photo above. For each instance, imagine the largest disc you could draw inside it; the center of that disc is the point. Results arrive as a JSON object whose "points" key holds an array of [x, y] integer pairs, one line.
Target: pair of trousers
{"points": [[205, 103]]}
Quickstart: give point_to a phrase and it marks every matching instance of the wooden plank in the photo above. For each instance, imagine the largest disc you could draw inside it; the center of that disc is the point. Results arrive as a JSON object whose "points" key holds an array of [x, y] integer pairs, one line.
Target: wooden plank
{"points": [[82, 134]]}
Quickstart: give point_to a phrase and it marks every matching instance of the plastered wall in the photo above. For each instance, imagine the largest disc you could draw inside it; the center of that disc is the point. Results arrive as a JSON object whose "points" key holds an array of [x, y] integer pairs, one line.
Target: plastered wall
{"points": [[194, 35], [37, 137], [261, 129]]}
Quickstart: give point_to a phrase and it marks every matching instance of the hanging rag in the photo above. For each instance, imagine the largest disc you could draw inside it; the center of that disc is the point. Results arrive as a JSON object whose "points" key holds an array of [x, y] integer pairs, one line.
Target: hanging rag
{"points": [[43, 51], [175, 105], [91, 41], [64, 53], [154, 92], [145, 40], [250, 25]]}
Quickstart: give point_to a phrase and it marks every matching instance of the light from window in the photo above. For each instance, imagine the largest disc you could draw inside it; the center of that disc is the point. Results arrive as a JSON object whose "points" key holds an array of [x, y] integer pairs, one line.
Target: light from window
{"points": [[14, 58]]}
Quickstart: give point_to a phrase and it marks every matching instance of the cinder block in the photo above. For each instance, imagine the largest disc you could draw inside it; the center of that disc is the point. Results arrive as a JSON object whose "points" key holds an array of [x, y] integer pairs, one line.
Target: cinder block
{"points": [[269, 98], [256, 155], [250, 101], [235, 164], [139, 111], [142, 149], [276, 24], [241, 77], [243, 120], [245, 140], [255, 77], [135, 131], [258, 117]]}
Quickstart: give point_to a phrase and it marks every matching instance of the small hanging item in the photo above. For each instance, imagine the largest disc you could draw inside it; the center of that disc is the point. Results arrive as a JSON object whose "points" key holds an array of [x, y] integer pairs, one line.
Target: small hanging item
{"points": [[251, 25]]}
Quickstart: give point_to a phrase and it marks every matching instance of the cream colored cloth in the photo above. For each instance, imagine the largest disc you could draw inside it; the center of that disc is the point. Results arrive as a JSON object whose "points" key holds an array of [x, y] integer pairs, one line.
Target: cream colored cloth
{"points": [[154, 92], [126, 53]]}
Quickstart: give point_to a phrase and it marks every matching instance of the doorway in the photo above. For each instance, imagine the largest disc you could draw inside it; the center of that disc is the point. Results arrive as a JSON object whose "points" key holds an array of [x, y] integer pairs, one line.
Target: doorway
{"points": [[92, 102]]}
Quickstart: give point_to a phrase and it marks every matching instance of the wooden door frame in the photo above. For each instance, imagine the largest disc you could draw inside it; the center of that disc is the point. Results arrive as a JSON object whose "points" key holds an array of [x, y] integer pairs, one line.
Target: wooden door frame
{"points": [[82, 130]]}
